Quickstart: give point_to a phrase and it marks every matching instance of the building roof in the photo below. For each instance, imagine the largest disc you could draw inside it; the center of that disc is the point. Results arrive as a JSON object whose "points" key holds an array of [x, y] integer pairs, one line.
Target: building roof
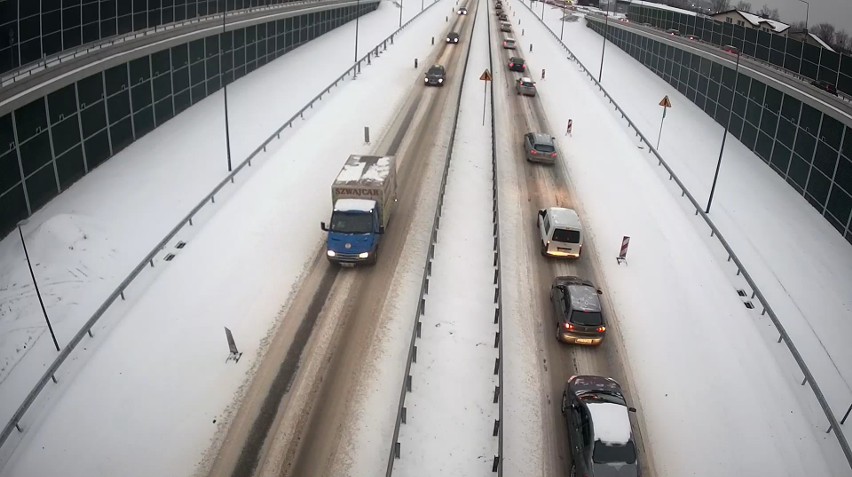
{"points": [[821, 43], [661, 6], [757, 20]]}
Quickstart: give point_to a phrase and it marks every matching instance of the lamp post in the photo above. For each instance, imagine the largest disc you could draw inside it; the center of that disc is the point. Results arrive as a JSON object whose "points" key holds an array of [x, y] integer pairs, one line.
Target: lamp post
{"points": [[807, 9], [400, 13], [603, 48], [225, 87], [725, 134], [35, 284], [542, 10], [357, 16], [562, 30]]}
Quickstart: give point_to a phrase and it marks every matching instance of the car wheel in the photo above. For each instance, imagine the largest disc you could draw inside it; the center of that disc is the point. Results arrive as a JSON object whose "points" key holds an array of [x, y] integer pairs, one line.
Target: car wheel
{"points": [[543, 250], [573, 470], [558, 334]]}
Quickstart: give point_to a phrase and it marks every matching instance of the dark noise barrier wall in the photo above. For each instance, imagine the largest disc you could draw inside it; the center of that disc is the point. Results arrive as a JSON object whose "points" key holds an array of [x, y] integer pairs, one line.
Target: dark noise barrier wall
{"points": [[54, 140], [810, 61], [31, 29], [811, 150]]}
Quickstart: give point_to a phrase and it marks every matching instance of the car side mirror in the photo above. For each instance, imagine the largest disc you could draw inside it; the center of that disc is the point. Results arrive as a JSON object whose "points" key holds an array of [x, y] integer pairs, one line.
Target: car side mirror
{"points": [[381, 229], [631, 409], [323, 226], [600, 292]]}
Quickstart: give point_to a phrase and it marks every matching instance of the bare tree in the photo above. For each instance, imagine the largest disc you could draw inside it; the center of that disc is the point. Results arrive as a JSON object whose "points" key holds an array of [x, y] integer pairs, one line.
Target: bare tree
{"points": [[770, 13], [798, 26], [720, 5], [825, 31], [841, 41], [744, 6]]}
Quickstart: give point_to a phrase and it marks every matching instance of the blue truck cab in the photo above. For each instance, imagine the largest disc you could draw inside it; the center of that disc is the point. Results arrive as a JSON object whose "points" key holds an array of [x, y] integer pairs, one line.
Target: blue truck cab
{"points": [[363, 198]]}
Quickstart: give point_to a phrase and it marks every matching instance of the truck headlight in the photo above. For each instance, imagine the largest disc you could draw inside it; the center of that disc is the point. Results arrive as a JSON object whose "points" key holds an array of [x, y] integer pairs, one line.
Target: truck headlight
{"points": [[426, 80], [331, 253], [364, 255]]}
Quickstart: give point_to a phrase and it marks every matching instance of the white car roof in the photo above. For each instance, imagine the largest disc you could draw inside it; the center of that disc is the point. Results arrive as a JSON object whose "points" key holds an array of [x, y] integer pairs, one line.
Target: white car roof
{"points": [[611, 422], [526, 79], [562, 217], [355, 205]]}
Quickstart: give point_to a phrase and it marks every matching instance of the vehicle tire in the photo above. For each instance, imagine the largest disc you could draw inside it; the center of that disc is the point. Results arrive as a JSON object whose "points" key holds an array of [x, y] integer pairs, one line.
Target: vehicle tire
{"points": [[543, 250], [573, 472], [558, 334]]}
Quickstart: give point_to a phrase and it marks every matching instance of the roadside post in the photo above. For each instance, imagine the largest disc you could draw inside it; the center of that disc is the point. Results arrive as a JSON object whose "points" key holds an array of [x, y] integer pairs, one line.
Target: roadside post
{"points": [[666, 104], [485, 77], [622, 255]]}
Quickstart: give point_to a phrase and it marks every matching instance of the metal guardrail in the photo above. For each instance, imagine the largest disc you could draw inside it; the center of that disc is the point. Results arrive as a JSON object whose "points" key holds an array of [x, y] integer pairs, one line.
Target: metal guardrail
{"points": [[49, 375], [44, 63], [714, 232], [424, 281], [498, 313]]}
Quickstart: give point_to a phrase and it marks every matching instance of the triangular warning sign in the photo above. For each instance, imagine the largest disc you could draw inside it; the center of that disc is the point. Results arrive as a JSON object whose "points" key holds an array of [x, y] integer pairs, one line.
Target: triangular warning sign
{"points": [[486, 75], [665, 102]]}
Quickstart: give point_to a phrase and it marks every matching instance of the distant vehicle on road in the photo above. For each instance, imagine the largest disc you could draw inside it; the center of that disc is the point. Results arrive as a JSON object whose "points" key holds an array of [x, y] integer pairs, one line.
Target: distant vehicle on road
{"points": [[540, 147], [509, 43], [505, 26], [363, 197], [517, 64], [692, 37], [730, 49], [525, 86], [599, 431], [577, 307], [503, 17], [825, 86], [560, 232], [435, 76], [462, 11], [673, 31], [453, 37]]}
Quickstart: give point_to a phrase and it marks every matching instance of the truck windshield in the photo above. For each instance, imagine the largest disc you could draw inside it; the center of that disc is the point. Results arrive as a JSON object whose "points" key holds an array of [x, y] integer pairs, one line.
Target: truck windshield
{"points": [[352, 222], [564, 235]]}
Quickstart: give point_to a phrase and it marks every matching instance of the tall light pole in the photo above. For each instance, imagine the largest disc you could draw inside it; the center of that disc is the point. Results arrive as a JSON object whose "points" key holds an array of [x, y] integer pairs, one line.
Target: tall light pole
{"points": [[603, 48], [807, 9], [562, 30], [400, 13], [357, 16], [225, 85], [725, 134], [542, 10], [35, 284]]}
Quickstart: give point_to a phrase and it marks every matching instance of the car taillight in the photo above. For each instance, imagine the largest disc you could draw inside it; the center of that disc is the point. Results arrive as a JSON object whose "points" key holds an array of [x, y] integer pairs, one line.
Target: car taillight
{"points": [[601, 329], [568, 326], [553, 155], [534, 152], [511, 65]]}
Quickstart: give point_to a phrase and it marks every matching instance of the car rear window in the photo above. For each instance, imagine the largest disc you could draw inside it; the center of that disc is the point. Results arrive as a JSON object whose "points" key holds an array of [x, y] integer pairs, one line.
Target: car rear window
{"points": [[587, 318], [614, 453], [570, 236], [544, 148]]}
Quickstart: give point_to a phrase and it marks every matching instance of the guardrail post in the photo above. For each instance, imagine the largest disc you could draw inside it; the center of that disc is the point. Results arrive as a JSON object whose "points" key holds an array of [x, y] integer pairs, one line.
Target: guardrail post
{"points": [[396, 449], [419, 328], [496, 427], [496, 367], [496, 315], [414, 354], [403, 415], [843, 421], [496, 394], [496, 464], [496, 339], [408, 382]]}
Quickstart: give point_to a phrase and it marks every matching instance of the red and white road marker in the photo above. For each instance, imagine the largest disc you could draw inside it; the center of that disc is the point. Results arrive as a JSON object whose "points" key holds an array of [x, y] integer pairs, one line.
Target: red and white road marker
{"points": [[622, 255]]}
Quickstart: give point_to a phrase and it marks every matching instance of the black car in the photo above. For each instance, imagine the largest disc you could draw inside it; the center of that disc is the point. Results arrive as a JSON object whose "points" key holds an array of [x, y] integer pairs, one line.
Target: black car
{"points": [[462, 11], [517, 64], [503, 17], [435, 76], [577, 307], [453, 37], [599, 430], [825, 86]]}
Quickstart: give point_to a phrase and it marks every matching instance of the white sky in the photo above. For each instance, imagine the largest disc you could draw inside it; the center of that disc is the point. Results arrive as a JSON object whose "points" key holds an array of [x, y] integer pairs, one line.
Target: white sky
{"points": [[155, 376], [836, 12]]}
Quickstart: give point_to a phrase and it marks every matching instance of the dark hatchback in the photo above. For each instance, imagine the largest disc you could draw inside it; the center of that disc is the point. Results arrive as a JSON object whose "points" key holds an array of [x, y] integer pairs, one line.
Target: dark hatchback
{"points": [[435, 76], [825, 86], [453, 37], [577, 307], [517, 64], [599, 430]]}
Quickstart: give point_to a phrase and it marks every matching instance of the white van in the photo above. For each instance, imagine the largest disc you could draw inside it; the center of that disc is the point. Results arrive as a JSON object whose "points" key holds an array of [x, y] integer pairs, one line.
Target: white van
{"points": [[560, 231]]}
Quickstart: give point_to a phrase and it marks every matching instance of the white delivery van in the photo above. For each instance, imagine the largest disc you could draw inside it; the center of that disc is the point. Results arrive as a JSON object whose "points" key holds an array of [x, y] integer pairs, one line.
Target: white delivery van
{"points": [[560, 231]]}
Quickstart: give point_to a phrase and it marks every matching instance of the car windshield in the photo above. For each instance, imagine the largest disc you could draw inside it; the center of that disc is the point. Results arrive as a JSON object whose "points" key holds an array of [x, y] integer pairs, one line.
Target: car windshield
{"points": [[544, 147], [570, 236], [587, 318], [352, 222], [605, 453], [527, 83], [435, 72]]}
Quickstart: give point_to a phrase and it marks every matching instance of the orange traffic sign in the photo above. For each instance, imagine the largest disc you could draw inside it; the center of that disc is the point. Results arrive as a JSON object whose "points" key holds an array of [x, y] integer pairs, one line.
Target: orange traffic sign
{"points": [[665, 102], [486, 75]]}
